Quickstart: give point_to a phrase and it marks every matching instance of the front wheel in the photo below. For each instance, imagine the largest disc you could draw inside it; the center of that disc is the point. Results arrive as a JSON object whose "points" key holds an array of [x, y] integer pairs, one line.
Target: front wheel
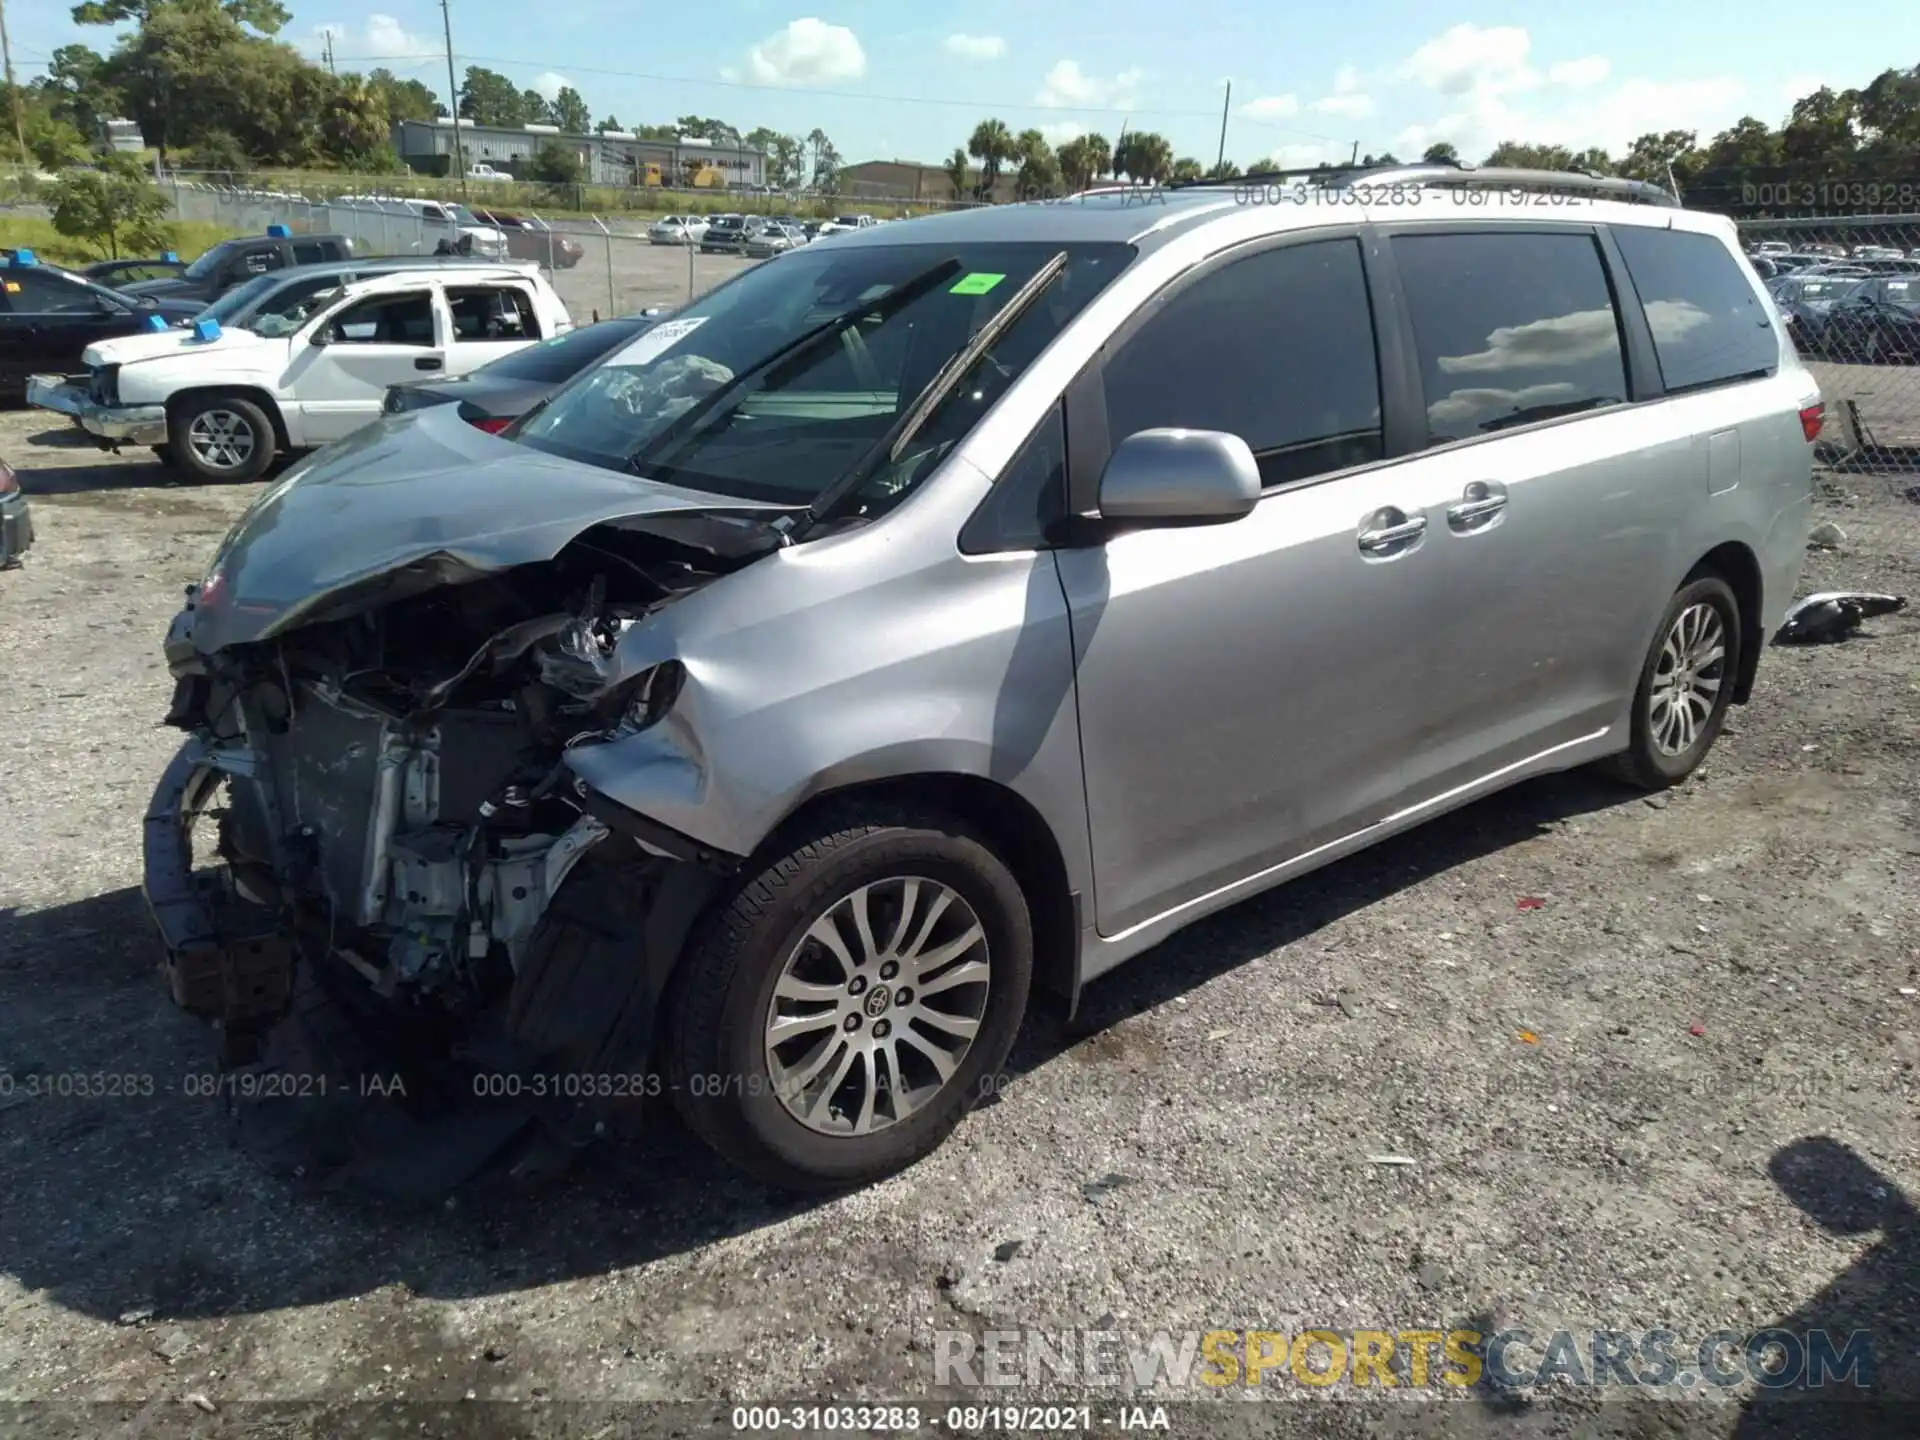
{"points": [[1686, 685], [221, 437], [836, 1019]]}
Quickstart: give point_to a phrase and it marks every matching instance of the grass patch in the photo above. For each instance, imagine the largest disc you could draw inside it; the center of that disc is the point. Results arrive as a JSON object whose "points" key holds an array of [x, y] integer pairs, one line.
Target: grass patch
{"points": [[187, 239]]}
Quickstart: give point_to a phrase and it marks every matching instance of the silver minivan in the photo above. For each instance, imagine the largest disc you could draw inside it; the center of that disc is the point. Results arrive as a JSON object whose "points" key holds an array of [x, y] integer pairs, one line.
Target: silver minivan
{"points": [[956, 611]]}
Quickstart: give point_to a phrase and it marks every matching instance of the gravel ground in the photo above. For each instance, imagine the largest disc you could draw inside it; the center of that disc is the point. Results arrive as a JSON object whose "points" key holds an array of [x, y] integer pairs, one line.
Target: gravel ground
{"points": [[1613, 1101]]}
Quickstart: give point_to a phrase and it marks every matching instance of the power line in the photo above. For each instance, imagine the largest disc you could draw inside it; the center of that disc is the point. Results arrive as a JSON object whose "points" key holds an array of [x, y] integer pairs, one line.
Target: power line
{"points": [[989, 106]]}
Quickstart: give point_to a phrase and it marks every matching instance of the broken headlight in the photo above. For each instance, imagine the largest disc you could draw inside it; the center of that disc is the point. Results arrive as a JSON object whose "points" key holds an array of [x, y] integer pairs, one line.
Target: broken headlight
{"points": [[648, 697]]}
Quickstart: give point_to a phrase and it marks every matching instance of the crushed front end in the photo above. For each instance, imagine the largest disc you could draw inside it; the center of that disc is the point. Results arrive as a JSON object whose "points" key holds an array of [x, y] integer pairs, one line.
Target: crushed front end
{"points": [[371, 819]]}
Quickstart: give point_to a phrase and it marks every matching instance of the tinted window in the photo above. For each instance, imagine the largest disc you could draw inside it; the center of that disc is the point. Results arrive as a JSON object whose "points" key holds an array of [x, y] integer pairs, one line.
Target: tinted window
{"points": [[310, 252], [1030, 495], [1277, 348], [1510, 329], [388, 320], [32, 291], [552, 361], [1708, 325]]}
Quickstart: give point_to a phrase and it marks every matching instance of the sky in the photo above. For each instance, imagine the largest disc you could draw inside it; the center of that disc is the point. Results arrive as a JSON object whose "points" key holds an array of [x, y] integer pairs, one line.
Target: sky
{"points": [[886, 79]]}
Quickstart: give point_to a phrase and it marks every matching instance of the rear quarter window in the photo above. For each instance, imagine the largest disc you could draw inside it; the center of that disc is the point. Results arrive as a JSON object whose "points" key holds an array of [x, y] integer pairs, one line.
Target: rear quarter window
{"points": [[1709, 327]]}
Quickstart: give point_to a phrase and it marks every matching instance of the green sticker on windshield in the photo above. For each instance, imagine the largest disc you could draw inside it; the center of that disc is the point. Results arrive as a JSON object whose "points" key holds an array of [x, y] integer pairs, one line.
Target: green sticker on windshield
{"points": [[975, 284]]}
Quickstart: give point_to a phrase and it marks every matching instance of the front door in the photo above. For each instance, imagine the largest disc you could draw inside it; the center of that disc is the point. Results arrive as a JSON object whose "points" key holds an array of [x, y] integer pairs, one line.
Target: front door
{"points": [[373, 343], [488, 321], [1245, 690], [50, 321]]}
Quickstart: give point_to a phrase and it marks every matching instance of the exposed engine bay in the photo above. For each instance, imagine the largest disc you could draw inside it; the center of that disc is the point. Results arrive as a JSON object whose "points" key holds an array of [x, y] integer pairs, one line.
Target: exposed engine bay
{"points": [[394, 817]]}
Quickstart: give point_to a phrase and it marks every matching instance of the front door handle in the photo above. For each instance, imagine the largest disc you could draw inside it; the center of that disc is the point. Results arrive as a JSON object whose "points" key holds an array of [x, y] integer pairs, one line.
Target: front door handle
{"points": [[1482, 500], [1385, 532], [427, 362]]}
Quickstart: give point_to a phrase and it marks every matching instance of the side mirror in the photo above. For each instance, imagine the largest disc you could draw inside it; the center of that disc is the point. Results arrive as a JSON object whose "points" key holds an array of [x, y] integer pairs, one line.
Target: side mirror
{"points": [[1179, 478], [319, 337]]}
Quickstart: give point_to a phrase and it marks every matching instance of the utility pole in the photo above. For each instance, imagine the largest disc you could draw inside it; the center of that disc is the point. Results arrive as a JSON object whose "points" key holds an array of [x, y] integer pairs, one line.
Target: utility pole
{"points": [[1225, 105], [453, 101], [13, 90], [1356, 154], [330, 69]]}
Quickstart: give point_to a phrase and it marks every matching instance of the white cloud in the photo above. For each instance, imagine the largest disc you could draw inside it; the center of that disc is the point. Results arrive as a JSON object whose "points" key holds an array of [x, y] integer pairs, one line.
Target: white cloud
{"points": [[1068, 87], [976, 47], [1353, 106], [807, 52], [1580, 74], [1062, 132], [549, 85], [1271, 107], [384, 41], [1306, 154], [1346, 81], [1497, 94], [1468, 59]]}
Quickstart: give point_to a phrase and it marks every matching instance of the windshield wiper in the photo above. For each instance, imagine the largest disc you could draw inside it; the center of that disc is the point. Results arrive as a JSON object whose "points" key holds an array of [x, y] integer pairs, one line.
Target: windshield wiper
{"points": [[883, 304], [890, 446]]}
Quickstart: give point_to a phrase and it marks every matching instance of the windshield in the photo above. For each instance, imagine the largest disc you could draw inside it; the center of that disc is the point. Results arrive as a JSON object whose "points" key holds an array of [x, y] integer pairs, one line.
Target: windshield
{"points": [[208, 262], [785, 431], [273, 305]]}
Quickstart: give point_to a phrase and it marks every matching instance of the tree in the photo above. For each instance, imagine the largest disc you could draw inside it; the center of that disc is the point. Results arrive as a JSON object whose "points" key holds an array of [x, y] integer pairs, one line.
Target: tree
{"points": [[557, 165], [700, 127], [1521, 156], [956, 168], [570, 112], [826, 168], [1144, 157], [1039, 173], [1099, 155], [268, 17], [353, 125], [1385, 157], [1188, 168], [1077, 160], [786, 160], [218, 154], [1223, 170], [1821, 130], [1888, 111], [489, 98], [1747, 143], [607, 126], [1440, 153], [403, 99], [534, 109], [992, 145], [1660, 156], [77, 91], [1595, 159], [111, 206]]}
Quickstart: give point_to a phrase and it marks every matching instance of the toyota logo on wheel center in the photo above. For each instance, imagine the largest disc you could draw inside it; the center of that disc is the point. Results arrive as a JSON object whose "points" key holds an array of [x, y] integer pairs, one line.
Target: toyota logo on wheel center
{"points": [[878, 999]]}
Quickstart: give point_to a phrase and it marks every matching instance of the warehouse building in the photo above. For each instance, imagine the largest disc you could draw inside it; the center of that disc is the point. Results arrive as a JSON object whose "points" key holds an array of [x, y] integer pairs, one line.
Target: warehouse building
{"points": [[615, 158]]}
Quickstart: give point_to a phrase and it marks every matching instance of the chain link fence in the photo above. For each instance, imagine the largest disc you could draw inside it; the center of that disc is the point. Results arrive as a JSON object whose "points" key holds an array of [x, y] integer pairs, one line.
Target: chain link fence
{"points": [[1849, 290], [599, 267]]}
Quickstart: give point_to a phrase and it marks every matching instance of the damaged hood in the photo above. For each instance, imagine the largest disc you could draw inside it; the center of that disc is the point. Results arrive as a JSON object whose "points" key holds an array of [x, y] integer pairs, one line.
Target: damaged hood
{"points": [[159, 344], [409, 503]]}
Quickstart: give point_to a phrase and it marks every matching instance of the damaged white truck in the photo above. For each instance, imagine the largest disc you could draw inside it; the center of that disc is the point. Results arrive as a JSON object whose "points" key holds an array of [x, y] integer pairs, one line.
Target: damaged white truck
{"points": [[957, 608]]}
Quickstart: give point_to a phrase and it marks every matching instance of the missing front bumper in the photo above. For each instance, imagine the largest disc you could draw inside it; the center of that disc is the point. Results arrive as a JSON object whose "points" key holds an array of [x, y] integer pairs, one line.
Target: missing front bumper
{"points": [[113, 424]]}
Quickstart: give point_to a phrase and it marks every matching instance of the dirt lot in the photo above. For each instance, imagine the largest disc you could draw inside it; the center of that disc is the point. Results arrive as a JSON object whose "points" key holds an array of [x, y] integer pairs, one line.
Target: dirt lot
{"points": [[1606, 1098]]}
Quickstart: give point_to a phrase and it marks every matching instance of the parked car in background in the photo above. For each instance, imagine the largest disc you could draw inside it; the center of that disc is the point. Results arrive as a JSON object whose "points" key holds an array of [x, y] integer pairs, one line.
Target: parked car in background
{"points": [[533, 239], [50, 315], [126, 272], [499, 393], [791, 699], [1763, 266], [841, 223], [1877, 324], [278, 303], [1772, 247], [217, 270], [452, 222], [222, 403], [774, 239], [677, 230], [484, 172], [724, 234], [16, 519], [1804, 300]]}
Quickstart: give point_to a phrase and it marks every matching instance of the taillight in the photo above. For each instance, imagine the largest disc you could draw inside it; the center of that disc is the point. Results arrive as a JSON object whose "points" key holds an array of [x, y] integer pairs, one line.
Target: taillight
{"points": [[1810, 421], [492, 424]]}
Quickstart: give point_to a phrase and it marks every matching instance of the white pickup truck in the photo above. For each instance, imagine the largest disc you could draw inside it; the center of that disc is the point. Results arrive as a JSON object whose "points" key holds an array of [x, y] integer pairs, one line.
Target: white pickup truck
{"points": [[222, 404]]}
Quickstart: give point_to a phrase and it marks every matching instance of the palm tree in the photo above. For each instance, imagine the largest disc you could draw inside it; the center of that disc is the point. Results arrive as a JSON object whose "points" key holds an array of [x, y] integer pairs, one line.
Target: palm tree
{"points": [[992, 144], [1149, 157], [1224, 170], [1188, 168], [956, 168], [1039, 175], [1099, 156], [1077, 162]]}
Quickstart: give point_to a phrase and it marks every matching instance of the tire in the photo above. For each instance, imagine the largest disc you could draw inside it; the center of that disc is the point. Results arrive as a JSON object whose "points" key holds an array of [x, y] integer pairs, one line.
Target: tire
{"points": [[772, 1106], [163, 453], [1656, 757], [246, 430]]}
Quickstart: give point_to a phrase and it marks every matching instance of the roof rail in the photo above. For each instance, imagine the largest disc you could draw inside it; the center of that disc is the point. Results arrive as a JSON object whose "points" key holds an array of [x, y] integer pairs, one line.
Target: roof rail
{"points": [[1501, 177], [1452, 172]]}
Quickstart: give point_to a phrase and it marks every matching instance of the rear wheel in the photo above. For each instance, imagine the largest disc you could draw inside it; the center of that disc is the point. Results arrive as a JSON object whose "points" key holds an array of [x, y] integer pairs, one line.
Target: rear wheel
{"points": [[836, 1019], [221, 437], [1685, 686]]}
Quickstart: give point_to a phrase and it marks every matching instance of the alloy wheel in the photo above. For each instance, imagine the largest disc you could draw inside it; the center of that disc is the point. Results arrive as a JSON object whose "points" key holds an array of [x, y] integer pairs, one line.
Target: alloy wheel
{"points": [[1687, 679], [877, 1006], [222, 439]]}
